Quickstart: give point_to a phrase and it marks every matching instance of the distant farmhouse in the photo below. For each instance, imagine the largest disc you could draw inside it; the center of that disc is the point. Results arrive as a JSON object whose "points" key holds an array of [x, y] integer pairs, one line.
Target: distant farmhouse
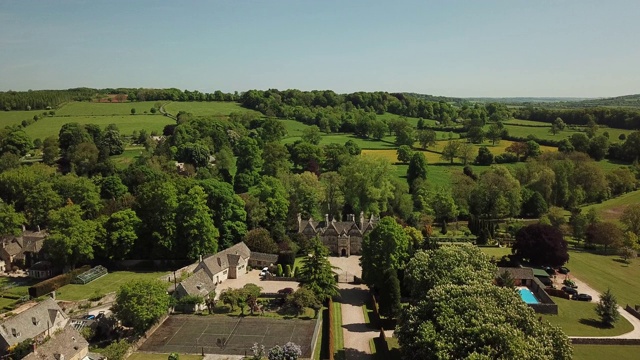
{"points": [[21, 251], [38, 322], [230, 263], [343, 238]]}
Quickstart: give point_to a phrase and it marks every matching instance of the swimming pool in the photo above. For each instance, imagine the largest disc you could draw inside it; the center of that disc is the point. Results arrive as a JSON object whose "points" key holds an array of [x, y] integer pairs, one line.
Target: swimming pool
{"points": [[527, 296]]}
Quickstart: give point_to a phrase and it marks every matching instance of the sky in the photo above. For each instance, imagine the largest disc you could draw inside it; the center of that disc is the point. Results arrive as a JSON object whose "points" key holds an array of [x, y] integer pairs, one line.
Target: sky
{"points": [[474, 48]]}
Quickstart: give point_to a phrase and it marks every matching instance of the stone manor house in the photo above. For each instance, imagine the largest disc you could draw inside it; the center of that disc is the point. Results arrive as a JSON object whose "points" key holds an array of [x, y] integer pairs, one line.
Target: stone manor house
{"points": [[343, 238]]}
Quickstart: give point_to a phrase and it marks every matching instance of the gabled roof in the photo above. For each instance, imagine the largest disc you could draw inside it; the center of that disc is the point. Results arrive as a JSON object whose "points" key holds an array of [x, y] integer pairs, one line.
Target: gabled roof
{"points": [[517, 273], [221, 261], [68, 342], [198, 284], [29, 241], [44, 314]]}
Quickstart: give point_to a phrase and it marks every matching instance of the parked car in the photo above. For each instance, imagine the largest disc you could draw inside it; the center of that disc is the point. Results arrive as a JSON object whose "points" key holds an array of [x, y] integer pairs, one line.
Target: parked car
{"points": [[582, 297], [569, 290], [550, 270], [89, 317], [563, 270], [264, 272], [570, 283]]}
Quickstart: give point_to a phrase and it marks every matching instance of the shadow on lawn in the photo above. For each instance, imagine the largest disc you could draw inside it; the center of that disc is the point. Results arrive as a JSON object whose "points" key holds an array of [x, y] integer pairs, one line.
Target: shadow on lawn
{"points": [[594, 323]]}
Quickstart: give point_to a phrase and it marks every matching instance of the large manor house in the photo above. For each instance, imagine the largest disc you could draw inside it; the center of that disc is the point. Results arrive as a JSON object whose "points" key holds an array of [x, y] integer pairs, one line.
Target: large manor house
{"points": [[343, 238]]}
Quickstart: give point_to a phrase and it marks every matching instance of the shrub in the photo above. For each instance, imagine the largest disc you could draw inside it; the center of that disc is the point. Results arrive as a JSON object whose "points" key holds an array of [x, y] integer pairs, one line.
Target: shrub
{"points": [[506, 158], [279, 270], [287, 271]]}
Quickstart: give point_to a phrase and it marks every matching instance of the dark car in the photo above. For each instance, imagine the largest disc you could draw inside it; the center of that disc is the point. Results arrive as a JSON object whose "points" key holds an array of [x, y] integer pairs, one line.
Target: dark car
{"points": [[582, 297], [550, 271], [563, 270], [569, 290]]}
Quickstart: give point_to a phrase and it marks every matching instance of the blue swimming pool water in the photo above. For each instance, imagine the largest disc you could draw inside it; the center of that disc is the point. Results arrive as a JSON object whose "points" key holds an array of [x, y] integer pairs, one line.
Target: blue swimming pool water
{"points": [[528, 297]]}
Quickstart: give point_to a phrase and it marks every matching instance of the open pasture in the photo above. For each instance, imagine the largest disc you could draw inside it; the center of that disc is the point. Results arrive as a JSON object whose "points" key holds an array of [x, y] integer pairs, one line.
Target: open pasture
{"points": [[545, 133], [220, 334], [8, 118], [612, 209], [104, 109], [209, 108], [127, 124]]}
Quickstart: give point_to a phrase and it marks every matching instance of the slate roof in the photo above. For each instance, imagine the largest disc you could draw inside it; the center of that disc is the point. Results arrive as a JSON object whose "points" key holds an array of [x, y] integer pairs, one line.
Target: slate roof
{"points": [[340, 227], [198, 284], [221, 261], [517, 273], [29, 241], [68, 342], [270, 258], [45, 314]]}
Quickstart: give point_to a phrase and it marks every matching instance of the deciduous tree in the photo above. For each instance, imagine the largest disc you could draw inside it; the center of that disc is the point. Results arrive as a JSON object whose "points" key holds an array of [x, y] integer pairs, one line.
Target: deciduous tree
{"points": [[541, 245], [141, 303], [196, 233], [385, 247], [71, 239], [631, 218]]}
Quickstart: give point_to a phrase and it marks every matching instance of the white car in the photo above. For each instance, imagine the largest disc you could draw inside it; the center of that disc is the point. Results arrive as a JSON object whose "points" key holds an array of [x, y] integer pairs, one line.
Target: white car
{"points": [[264, 271]]}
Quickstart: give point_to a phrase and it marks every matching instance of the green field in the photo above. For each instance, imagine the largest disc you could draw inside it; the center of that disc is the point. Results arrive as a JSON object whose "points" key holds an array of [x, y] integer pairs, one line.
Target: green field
{"points": [[213, 108], [104, 109], [15, 117], [544, 133], [608, 271], [50, 126], [600, 352], [338, 340], [497, 252], [612, 209], [106, 284], [578, 318]]}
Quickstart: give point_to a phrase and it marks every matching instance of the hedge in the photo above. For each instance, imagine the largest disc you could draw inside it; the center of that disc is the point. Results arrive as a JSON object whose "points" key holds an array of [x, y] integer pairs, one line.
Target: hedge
{"points": [[56, 282]]}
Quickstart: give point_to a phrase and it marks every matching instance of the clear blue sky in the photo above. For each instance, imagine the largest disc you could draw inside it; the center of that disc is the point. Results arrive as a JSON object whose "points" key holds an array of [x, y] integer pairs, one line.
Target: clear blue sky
{"points": [[580, 48]]}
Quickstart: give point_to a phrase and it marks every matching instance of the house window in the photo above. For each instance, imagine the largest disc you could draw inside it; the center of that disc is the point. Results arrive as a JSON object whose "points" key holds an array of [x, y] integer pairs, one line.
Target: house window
{"points": [[225, 272], [15, 332], [34, 321]]}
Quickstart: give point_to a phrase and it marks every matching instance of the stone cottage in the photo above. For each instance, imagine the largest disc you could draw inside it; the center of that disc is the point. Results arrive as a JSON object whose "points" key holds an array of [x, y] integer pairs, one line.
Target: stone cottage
{"points": [[343, 238]]}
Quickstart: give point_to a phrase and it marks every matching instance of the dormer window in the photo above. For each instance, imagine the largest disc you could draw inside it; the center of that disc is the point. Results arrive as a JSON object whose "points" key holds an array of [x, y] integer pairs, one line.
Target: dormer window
{"points": [[34, 321], [15, 332]]}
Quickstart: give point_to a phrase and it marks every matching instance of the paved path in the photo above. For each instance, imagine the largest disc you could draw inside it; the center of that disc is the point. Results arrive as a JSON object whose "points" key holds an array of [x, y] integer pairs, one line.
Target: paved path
{"points": [[584, 288], [355, 332]]}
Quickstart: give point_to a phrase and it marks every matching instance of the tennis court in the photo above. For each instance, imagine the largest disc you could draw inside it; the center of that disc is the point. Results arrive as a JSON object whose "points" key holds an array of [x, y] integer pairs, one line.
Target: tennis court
{"points": [[227, 335]]}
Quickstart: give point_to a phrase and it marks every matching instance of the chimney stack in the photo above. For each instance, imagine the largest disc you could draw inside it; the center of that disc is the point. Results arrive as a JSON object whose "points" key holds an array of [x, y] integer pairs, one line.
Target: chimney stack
{"points": [[200, 258], [361, 220], [326, 219], [38, 228], [24, 228]]}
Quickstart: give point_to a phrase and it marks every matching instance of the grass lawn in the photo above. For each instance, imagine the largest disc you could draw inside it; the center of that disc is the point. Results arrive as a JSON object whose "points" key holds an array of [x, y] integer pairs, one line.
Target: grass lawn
{"points": [[498, 252], [127, 157], [154, 356], [212, 108], [608, 271], [106, 284], [50, 126], [16, 286], [104, 109], [578, 318], [612, 209], [338, 341], [598, 352]]}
